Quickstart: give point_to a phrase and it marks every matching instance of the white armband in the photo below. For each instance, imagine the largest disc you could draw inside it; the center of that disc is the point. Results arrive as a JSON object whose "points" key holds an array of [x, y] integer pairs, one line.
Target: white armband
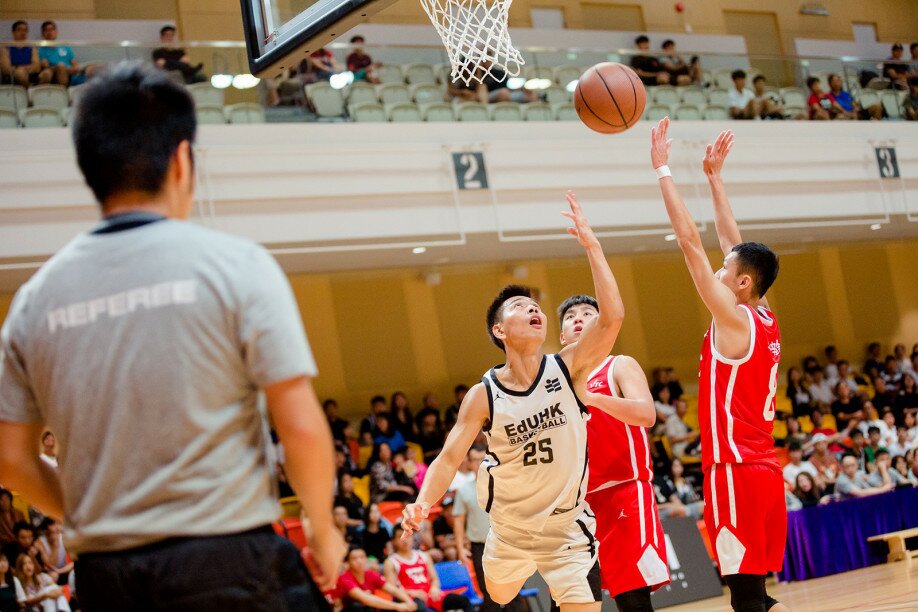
{"points": [[663, 171]]}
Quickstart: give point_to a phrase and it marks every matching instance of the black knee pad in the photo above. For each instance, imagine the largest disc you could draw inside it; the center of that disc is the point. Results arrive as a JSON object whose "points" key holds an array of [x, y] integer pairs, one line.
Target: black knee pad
{"points": [[747, 592], [637, 600], [770, 602]]}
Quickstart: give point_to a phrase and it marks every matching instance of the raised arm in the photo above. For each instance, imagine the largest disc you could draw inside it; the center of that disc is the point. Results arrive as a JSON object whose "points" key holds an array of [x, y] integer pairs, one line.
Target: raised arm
{"points": [[724, 222], [473, 414], [600, 332], [719, 300], [635, 407]]}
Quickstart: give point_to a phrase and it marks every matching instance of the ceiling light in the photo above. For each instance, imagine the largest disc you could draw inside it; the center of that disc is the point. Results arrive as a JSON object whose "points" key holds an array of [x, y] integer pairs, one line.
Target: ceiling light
{"points": [[419, 250], [341, 80], [537, 84], [669, 237], [221, 81], [875, 226], [515, 82], [570, 87], [245, 81]]}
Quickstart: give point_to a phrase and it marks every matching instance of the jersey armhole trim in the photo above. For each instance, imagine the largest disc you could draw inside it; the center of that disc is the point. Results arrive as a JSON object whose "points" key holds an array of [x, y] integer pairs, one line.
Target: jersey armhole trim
{"points": [[610, 378], [735, 362], [487, 386], [567, 376]]}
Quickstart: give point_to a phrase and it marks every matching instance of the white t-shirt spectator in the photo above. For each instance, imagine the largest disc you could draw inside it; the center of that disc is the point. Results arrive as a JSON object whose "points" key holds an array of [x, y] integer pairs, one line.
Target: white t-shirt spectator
{"points": [[738, 99], [791, 471], [831, 372], [666, 409], [460, 479], [852, 384], [821, 392], [895, 449]]}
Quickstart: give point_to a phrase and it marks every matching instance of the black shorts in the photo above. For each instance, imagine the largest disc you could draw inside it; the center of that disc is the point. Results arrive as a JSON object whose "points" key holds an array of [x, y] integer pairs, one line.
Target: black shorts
{"points": [[250, 571]]}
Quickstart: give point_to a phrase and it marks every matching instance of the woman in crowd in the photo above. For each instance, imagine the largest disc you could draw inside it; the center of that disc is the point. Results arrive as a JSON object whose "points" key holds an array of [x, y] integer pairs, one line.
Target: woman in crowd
{"points": [[377, 534], [402, 477], [49, 448], [11, 591], [401, 417], [685, 487], [51, 545], [795, 433], [900, 464], [414, 467], [347, 498], [908, 395], [807, 491], [797, 393], [41, 593], [388, 433], [383, 484]]}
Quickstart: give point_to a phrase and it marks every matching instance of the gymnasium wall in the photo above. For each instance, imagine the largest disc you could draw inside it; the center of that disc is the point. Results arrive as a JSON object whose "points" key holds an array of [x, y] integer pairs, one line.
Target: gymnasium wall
{"points": [[374, 332]]}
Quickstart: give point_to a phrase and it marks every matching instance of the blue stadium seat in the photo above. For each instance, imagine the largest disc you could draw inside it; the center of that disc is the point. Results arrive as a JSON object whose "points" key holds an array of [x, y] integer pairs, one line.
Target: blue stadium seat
{"points": [[454, 575]]}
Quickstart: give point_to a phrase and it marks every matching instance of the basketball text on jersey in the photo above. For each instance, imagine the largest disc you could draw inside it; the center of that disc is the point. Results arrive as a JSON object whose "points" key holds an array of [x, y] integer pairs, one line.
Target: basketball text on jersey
{"points": [[548, 418], [119, 304]]}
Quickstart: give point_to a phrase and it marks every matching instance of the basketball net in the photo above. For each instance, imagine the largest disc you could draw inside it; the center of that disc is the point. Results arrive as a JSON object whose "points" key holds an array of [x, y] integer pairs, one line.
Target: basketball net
{"points": [[477, 38]]}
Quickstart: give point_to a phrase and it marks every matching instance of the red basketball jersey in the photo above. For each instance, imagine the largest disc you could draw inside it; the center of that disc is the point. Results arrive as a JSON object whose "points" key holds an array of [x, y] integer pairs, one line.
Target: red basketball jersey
{"points": [[618, 452], [412, 575], [736, 397]]}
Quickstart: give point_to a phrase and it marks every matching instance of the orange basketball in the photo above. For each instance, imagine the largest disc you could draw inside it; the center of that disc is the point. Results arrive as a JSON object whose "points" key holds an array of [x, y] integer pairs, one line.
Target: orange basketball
{"points": [[609, 98]]}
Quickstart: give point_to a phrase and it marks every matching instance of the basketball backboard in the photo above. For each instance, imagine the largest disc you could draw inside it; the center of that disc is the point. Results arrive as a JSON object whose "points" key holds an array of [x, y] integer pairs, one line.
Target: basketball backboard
{"points": [[280, 33]]}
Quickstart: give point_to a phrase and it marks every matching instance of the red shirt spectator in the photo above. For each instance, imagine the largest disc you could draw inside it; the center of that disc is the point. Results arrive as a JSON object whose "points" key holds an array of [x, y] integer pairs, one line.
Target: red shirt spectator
{"points": [[372, 582]]}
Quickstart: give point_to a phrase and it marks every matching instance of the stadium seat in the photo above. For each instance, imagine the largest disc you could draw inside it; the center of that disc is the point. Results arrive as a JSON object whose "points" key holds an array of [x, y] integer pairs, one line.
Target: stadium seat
{"points": [[693, 95], [13, 97], [74, 91], [290, 506], [8, 118], [687, 112], [49, 96], [205, 93], [438, 111], [368, 112], [565, 74], [868, 98], [506, 111], [406, 112], [794, 96], [391, 511], [794, 112], [361, 92], [806, 424], [209, 114], [390, 73], [879, 83], [442, 73], [714, 112], [424, 93], [655, 112], [364, 455], [828, 420], [472, 111], [393, 93], [538, 111], [780, 429], [417, 74], [362, 489], [39, 117], [566, 112], [718, 97], [722, 79], [418, 450], [707, 77], [557, 95], [538, 72], [245, 112], [327, 101], [666, 95], [453, 576], [891, 105]]}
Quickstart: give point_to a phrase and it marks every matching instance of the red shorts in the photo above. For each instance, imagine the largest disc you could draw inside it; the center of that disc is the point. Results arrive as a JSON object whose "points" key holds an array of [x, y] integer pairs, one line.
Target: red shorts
{"points": [[632, 551], [746, 517]]}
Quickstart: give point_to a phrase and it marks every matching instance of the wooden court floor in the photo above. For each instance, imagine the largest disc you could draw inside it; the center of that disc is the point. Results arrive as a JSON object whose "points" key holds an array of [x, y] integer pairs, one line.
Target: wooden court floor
{"points": [[892, 586]]}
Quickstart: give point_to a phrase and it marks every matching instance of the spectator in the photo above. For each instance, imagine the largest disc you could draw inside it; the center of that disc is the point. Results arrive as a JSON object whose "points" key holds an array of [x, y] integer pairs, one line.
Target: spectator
{"points": [[41, 593], [872, 365], [849, 104], [376, 535], [430, 436], [401, 416], [663, 405], [51, 546], [913, 470], [895, 69], [911, 105], [900, 465], [59, 59], [686, 488], [466, 92], [852, 482], [383, 485], [20, 63], [24, 544], [883, 397], [901, 446], [891, 373], [825, 462], [884, 474], [831, 434], [807, 490], [769, 104], [9, 518], [415, 469], [873, 444], [680, 73], [669, 501], [682, 440], [666, 377], [741, 99], [647, 67], [820, 389], [414, 571], [810, 363], [887, 425], [402, 477], [387, 433], [495, 82], [904, 364], [368, 429], [795, 433], [843, 373], [858, 446], [797, 464], [907, 398], [323, 64], [172, 58], [337, 424], [452, 413], [799, 397], [431, 405], [822, 105], [848, 409], [342, 523], [346, 498], [360, 63], [48, 450], [831, 353], [11, 591], [357, 587]]}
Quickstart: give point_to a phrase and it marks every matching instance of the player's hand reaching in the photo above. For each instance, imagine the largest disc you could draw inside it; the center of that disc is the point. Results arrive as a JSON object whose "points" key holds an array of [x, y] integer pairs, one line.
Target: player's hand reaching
{"points": [[716, 154], [581, 230], [412, 517], [659, 145]]}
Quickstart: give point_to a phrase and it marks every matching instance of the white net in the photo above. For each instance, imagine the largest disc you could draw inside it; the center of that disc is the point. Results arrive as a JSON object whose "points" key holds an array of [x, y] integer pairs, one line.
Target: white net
{"points": [[477, 38]]}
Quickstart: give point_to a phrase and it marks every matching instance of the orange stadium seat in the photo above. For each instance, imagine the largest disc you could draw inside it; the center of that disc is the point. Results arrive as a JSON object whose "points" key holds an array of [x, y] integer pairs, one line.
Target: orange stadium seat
{"points": [[391, 511], [362, 489], [781, 454]]}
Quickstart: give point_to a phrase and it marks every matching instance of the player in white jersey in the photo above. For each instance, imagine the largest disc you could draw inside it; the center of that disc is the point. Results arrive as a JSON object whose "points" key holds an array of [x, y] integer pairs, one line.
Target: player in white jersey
{"points": [[533, 481]]}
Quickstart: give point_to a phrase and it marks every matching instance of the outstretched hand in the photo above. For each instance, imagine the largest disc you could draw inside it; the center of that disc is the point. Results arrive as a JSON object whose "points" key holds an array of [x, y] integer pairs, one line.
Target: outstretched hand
{"points": [[412, 517], [716, 154], [581, 230], [659, 145]]}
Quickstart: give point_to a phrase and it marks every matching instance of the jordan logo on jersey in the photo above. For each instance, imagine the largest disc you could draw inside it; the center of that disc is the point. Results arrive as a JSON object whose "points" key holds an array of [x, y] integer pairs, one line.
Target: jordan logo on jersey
{"points": [[552, 385], [549, 418]]}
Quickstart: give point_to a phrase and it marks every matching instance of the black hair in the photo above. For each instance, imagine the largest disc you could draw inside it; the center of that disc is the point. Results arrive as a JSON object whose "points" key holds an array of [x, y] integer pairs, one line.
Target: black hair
{"points": [[880, 451], [912, 46], [575, 300], [357, 38], [871, 429], [376, 399], [829, 349], [347, 555], [738, 74], [127, 126], [759, 262], [897, 46], [889, 358], [6, 493], [667, 43], [857, 432], [494, 310], [810, 81], [45, 24], [758, 77], [832, 76], [166, 28], [843, 361], [328, 402], [460, 387], [16, 24], [794, 446], [20, 525], [7, 578], [641, 39]]}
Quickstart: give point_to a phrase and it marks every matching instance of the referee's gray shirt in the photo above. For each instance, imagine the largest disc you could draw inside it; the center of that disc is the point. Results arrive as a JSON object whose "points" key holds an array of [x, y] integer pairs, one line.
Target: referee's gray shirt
{"points": [[143, 350], [465, 503]]}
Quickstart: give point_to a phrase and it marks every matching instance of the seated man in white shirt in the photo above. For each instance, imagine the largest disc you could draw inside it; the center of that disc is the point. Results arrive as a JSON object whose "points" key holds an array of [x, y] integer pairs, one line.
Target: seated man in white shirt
{"points": [[742, 101], [797, 465]]}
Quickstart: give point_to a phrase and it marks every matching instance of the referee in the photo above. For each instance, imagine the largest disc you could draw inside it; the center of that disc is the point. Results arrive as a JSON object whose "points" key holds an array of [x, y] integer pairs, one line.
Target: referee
{"points": [[143, 345]]}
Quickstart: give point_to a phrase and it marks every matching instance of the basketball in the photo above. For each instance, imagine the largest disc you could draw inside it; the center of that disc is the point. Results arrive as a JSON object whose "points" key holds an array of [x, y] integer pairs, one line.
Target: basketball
{"points": [[609, 98]]}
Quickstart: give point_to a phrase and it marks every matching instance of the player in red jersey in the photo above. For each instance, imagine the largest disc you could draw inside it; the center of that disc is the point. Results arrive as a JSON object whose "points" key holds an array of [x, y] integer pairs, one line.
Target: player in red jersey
{"points": [[743, 487], [632, 551], [414, 571]]}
